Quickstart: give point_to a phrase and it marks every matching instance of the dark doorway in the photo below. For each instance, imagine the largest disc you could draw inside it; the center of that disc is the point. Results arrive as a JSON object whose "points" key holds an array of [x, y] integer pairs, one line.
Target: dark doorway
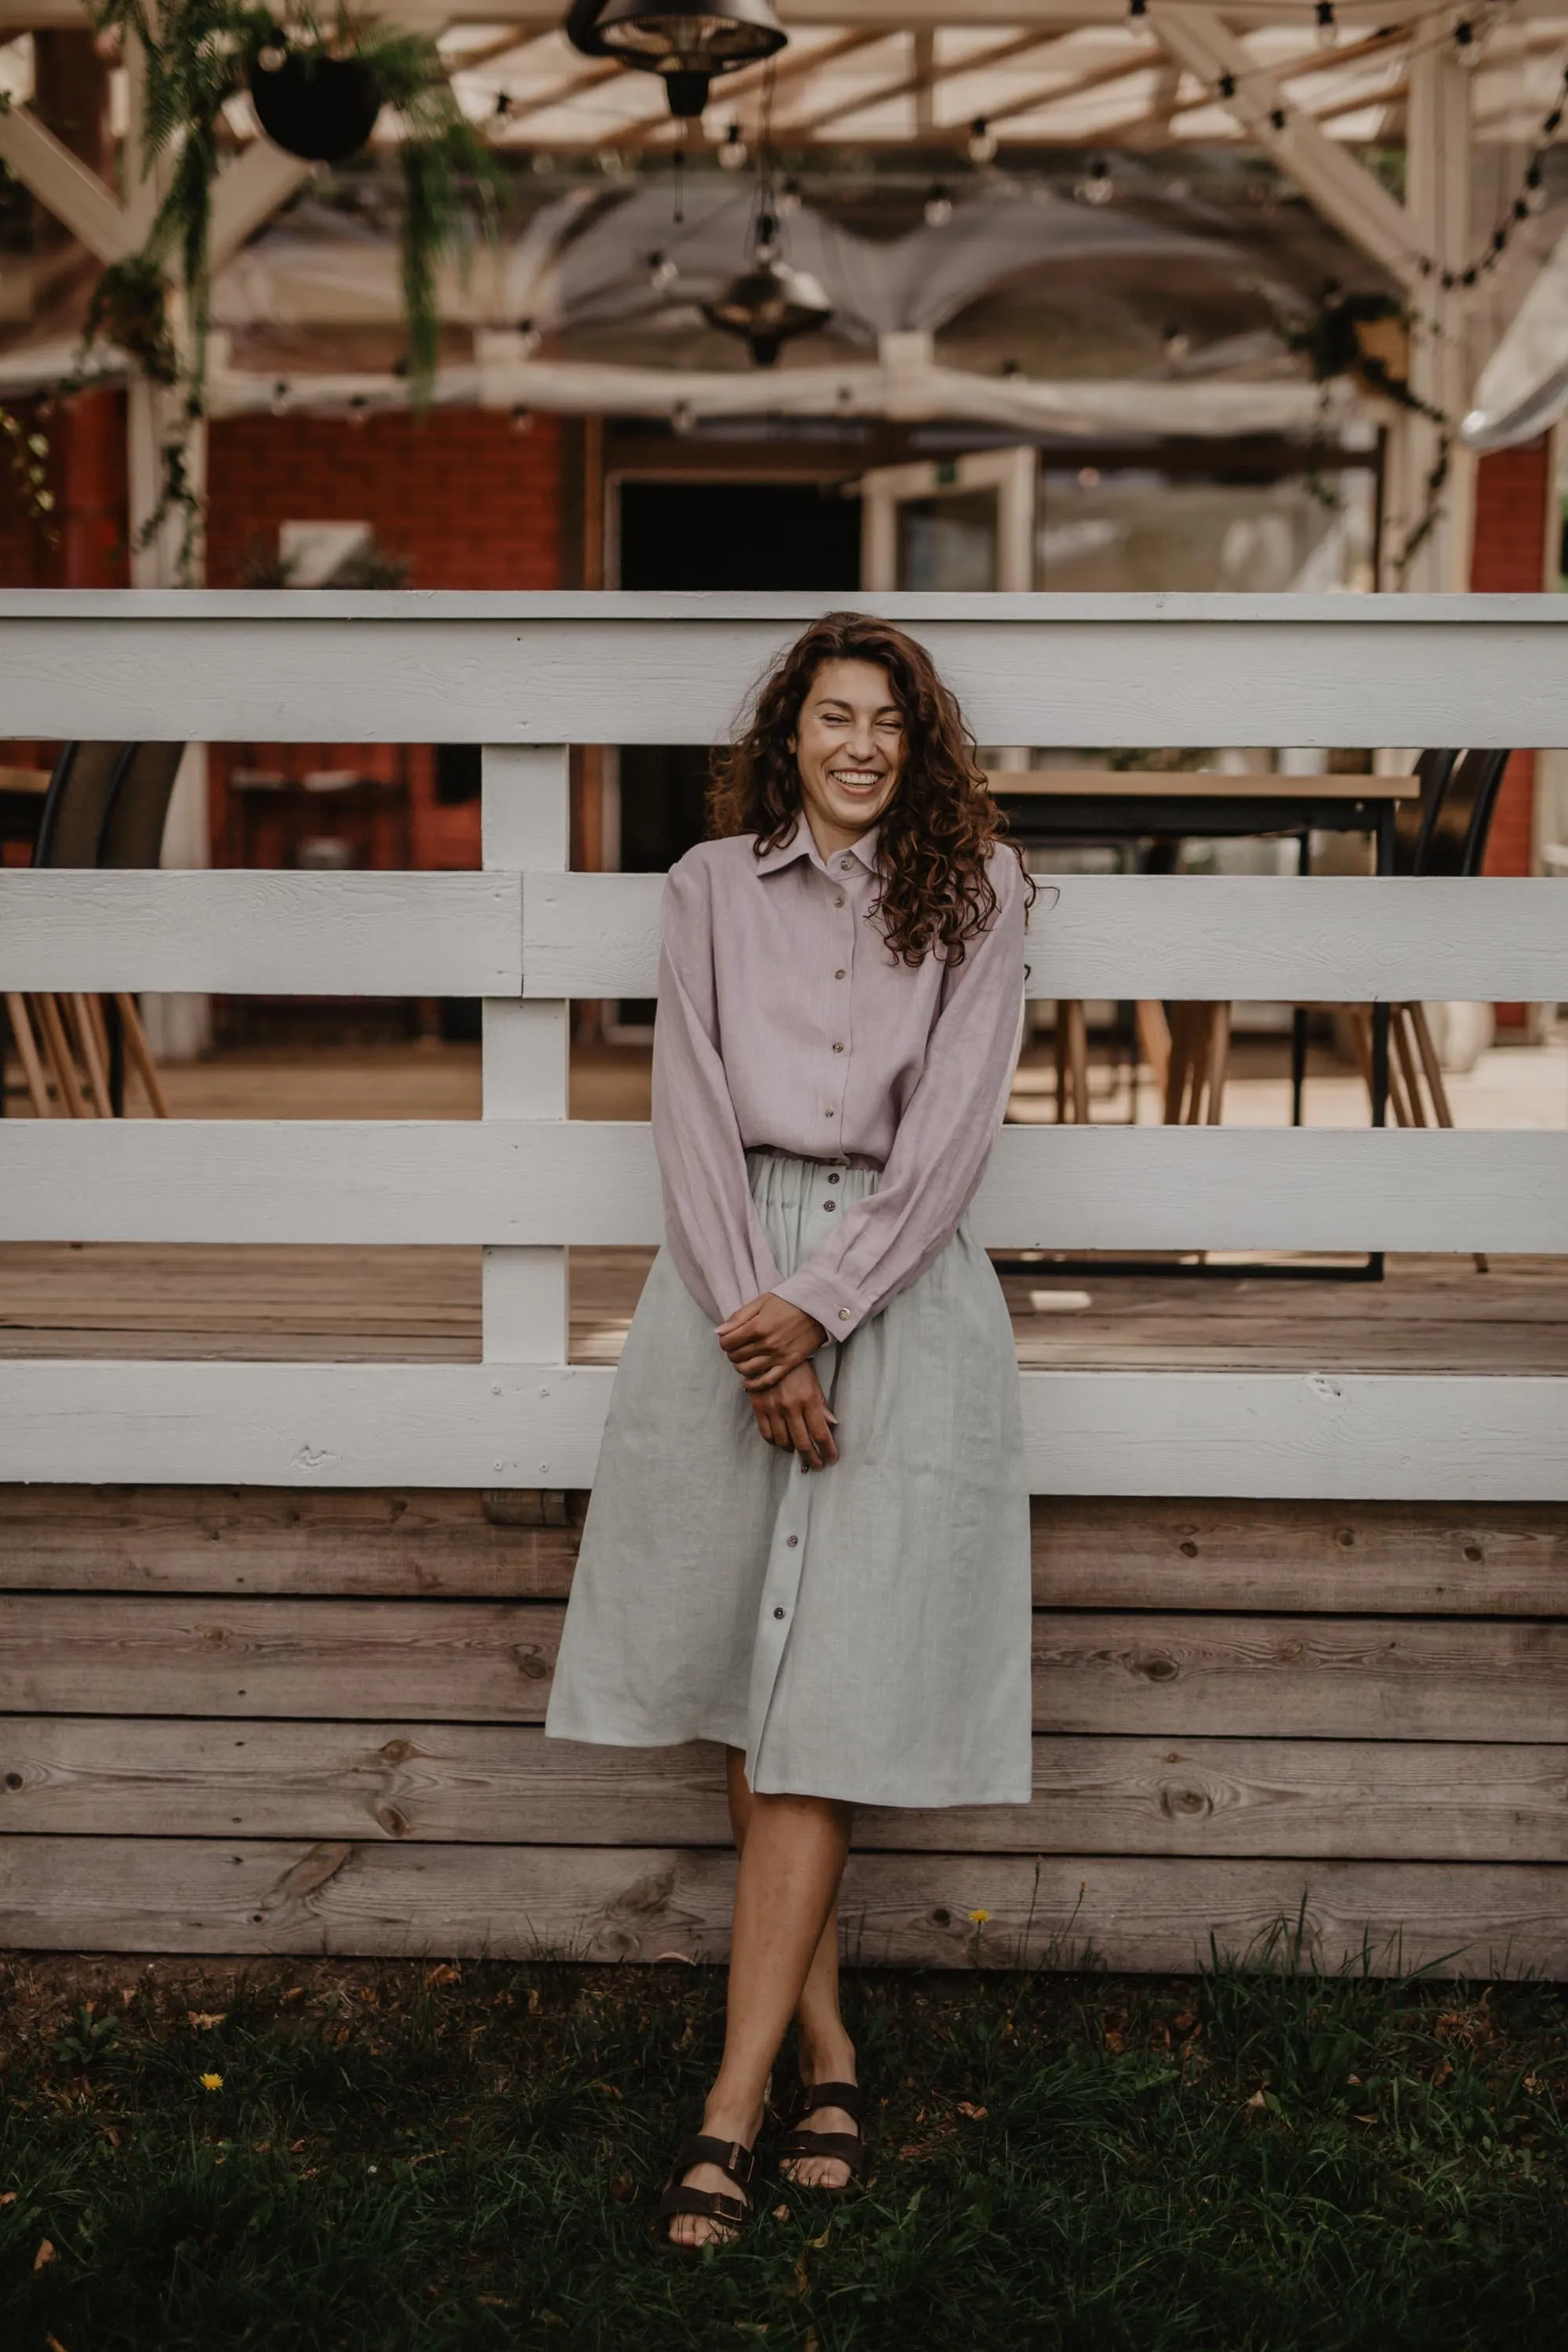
{"points": [[782, 535], [739, 535]]}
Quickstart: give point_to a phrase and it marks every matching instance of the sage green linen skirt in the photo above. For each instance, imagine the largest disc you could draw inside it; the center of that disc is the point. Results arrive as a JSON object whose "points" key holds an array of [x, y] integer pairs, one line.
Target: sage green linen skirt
{"points": [[861, 1631]]}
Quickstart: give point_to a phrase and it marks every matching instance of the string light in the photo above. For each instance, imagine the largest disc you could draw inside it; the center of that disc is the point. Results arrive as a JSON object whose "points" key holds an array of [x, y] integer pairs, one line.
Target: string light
{"points": [[522, 419], [1467, 44], [661, 271], [789, 197], [983, 141], [1136, 8], [1096, 187], [1328, 32], [938, 206], [733, 153]]}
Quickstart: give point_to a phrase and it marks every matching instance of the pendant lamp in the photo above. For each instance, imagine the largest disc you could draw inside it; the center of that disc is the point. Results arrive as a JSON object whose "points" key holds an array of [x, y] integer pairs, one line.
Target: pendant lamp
{"points": [[691, 46], [769, 302]]}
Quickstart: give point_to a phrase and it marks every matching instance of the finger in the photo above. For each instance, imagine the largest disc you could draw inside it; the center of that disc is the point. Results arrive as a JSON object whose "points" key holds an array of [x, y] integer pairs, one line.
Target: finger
{"points": [[817, 1423], [740, 1318], [801, 1438], [760, 1382]]}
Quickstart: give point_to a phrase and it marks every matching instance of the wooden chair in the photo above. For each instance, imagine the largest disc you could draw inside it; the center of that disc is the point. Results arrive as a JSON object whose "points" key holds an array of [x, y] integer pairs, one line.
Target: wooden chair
{"points": [[106, 805], [1200, 1055]]}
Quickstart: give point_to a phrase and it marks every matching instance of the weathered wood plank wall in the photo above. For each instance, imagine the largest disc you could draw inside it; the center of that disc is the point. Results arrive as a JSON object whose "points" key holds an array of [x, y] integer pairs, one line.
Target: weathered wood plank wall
{"points": [[271, 1680]]}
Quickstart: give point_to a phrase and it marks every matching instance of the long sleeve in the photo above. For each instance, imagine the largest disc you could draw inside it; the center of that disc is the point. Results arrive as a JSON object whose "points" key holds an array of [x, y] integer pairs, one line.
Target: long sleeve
{"points": [[711, 1227], [944, 1137]]}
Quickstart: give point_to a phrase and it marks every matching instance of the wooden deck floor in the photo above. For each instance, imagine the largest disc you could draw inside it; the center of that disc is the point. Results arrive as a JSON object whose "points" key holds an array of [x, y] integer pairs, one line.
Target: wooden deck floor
{"points": [[418, 1305]]}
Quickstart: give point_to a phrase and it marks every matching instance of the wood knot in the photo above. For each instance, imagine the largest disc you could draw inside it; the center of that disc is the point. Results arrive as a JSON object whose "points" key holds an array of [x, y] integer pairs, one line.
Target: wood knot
{"points": [[397, 1752], [1346, 1536], [396, 1824], [12, 1779], [1474, 1553], [531, 1663], [1194, 1802], [1189, 1550], [941, 1918], [1157, 1670]]}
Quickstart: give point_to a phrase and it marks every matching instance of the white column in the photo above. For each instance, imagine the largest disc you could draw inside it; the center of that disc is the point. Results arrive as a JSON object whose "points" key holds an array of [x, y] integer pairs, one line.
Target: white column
{"points": [[526, 814]]}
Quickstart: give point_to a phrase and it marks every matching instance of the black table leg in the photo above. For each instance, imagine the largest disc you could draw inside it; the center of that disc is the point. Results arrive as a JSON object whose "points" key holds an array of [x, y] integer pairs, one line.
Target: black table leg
{"points": [[115, 1025]]}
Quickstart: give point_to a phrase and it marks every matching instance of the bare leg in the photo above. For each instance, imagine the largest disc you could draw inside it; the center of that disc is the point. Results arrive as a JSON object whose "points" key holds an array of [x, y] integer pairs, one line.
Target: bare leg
{"points": [[827, 2054], [791, 1863]]}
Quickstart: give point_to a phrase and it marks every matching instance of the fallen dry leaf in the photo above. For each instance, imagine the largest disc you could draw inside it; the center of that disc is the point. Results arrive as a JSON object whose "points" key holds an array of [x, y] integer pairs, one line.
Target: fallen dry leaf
{"points": [[54, 2343], [9, 2198], [800, 2284], [1258, 2099], [46, 2254], [1114, 2040], [205, 2017], [819, 2243], [976, 2114], [293, 1993], [1189, 2017], [443, 1974]]}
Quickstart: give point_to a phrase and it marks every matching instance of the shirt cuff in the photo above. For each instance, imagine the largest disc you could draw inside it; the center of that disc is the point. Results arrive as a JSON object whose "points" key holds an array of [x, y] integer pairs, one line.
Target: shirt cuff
{"points": [[836, 1309]]}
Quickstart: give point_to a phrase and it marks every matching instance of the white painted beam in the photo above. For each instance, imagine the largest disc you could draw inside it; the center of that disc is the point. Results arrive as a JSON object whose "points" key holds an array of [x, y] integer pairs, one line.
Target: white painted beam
{"points": [[528, 1189], [64, 186], [247, 193], [1349, 1438], [410, 667]]}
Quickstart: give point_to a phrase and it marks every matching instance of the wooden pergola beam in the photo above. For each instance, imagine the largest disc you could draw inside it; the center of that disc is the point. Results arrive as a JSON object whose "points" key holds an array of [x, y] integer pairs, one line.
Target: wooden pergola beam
{"points": [[1343, 190], [911, 84]]}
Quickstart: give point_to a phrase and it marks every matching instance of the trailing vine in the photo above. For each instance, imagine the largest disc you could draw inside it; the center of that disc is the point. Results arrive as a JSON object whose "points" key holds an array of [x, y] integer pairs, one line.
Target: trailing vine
{"points": [[199, 54]]}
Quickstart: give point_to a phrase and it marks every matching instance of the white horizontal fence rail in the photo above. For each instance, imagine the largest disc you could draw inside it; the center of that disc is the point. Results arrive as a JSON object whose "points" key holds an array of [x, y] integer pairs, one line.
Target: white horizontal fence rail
{"points": [[555, 935], [304, 666], [524, 676], [546, 1184], [1345, 1436]]}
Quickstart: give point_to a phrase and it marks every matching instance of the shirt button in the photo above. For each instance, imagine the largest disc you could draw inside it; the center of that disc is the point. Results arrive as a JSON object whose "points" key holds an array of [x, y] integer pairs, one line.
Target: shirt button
{"points": [[779, 1613], [830, 1205], [839, 975], [846, 865], [827, 1114], [838, 900], [832, 1180], [791, 1541], [838, 1044], [844, 1315]]}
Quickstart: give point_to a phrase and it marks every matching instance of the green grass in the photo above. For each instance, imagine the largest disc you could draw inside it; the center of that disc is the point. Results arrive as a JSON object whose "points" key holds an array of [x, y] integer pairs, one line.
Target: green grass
{"points": [[401, 2158]]}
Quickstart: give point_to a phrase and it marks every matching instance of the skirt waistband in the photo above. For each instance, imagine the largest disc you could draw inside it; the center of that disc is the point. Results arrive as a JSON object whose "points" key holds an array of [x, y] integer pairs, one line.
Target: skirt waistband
{"points": [[811, 1159]]}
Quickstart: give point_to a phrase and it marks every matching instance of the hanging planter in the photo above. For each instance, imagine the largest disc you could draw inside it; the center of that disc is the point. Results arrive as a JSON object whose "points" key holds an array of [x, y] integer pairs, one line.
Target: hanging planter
{"points": [[311, 104]]}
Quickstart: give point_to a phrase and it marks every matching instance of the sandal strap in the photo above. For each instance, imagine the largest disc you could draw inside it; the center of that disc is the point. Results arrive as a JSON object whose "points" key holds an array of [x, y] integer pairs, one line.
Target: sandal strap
{"points": [[730, 2156], [848, 2146], [813, 2096], [710, 2204]]}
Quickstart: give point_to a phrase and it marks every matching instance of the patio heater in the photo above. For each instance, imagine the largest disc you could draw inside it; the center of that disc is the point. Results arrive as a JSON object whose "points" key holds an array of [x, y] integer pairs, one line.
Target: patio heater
{"points": [[689, 46], [769, 302]]}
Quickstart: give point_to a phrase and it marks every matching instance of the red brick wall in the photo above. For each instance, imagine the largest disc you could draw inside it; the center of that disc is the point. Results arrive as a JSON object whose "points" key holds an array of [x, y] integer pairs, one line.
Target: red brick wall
{"points": [[1511, 487], [466, 500]]}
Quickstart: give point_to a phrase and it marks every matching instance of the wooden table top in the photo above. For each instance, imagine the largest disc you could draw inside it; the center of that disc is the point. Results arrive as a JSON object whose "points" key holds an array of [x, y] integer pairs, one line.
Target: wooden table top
{"points": [[1195, 784]]}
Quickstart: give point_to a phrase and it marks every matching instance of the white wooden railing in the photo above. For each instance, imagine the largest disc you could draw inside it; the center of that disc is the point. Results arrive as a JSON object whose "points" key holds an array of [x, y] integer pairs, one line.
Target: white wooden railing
{"points": [[526, 675]]}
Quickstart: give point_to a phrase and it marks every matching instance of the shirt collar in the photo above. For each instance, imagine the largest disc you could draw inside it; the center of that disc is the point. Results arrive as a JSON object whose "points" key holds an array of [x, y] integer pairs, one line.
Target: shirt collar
{"points": [[801, 844]]}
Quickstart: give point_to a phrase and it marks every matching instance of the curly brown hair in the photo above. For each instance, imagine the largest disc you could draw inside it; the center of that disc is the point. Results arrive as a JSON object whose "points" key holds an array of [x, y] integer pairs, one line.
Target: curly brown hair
{"points": [[939, 829]]}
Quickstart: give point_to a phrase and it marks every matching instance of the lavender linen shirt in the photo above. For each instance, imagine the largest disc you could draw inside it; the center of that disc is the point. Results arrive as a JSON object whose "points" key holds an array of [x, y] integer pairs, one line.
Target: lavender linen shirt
{"points": [[783, 1020]]}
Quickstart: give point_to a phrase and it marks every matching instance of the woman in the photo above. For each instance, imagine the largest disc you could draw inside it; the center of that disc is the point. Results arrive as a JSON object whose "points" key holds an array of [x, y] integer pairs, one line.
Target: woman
{"points": [[809, 1535]]}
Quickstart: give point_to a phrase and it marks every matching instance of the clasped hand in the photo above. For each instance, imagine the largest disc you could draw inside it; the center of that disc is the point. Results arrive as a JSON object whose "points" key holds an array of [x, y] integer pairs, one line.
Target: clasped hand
{"points": [[769, 1343]]}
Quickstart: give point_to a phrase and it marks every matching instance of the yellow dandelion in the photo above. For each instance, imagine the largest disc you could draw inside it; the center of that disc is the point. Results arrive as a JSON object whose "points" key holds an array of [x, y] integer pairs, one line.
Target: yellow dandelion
{"points": [[211, 2082], [980, 1917]]}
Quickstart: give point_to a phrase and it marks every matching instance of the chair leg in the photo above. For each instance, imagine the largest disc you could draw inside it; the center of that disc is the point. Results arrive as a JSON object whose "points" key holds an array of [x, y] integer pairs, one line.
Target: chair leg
{"points": [[1218, 1060], [1059, 1048], [1078, 1056], [81, 1022], [1404, 1053], [1360, 1030], [1421, 1028], [1177, 1063], [66, 1084], [1153, 1033], [139, 1054], [1198, 1040], [28, 1053]]}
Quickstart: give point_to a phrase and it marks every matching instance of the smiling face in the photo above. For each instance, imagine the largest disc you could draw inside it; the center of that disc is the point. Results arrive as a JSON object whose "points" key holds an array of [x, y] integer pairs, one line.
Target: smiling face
{"points": [[849, 746]]}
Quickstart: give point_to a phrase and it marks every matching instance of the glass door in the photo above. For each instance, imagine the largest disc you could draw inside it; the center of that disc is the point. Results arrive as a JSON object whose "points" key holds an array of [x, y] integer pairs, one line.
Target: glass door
{"points": [[955, 525]]}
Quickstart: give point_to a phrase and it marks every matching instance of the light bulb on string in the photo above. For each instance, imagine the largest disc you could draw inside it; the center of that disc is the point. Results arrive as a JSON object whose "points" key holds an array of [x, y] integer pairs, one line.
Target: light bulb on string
{"points": [[1467, 44], [789, 198], [661, 271], [522, 418], [1096, 187], [1175, 343], [681, 416], [279, 398], [938, 205], [1136, 9], [983, 141], [1328, 32], [502, 105], [1534, 199], [733, 151]]}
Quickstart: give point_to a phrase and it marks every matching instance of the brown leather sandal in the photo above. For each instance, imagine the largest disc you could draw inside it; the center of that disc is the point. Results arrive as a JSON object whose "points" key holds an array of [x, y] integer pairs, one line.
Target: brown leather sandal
{"points": [[849, 2147], [736, 2162]]}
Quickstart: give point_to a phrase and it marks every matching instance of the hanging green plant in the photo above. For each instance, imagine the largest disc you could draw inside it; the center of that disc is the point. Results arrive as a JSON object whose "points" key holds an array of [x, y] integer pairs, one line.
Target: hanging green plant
{"points": [[328, 87]]}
